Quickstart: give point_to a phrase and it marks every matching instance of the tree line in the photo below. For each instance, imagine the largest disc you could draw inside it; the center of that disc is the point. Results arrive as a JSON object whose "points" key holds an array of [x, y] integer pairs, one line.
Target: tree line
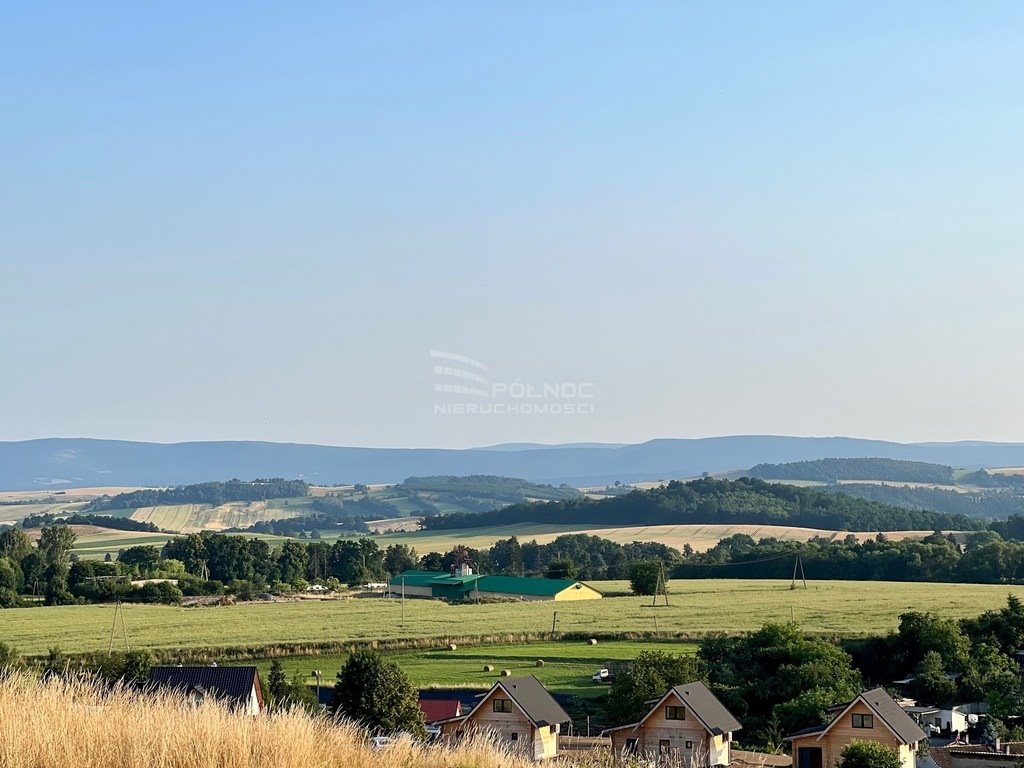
{"points": [[992, 503], [985, 558], [834, 470], [77, 518], [712, 501], [214, 493]]}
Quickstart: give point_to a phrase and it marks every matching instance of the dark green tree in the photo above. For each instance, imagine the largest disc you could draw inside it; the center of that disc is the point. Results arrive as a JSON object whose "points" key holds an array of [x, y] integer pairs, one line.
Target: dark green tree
{"points": [[277, 684], [55, 556], [15, 544], [399, 558], [376, 693], [142, 560], [644, 578], [652, 674], [776, 671], [931, 684]]}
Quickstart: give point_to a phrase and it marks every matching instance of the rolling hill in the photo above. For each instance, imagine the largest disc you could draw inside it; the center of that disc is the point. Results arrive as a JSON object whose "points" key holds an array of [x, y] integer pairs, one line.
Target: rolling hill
{"points": [[56, 463]]}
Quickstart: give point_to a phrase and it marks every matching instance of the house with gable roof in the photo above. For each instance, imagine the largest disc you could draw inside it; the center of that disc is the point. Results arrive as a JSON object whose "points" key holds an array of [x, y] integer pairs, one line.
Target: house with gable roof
{"points": [[517, 711], [688, 725], [872, 716], [238, 687]]}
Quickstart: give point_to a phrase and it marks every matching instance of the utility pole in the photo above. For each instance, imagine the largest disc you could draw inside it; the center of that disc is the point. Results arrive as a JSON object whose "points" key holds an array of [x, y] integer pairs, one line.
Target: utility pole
{"points": [[124, 628], [316, 674], [403, 602], [554, 618], [799, 564]]}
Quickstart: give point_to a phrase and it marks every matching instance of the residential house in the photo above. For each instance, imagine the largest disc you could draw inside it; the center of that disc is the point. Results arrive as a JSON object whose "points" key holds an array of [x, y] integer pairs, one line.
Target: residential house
{"points": [[872, 716], [688, 725], [239, 687], [518, 711]]}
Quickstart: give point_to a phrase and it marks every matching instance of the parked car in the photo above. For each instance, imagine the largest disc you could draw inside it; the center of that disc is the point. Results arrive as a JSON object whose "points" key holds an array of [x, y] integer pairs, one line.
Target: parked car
{"points": [[603, 676]]}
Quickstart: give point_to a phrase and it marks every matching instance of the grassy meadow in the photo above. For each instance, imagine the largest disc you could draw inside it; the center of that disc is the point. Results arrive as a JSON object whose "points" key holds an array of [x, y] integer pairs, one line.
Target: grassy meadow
{"points": [[567, 665], [697, 607]]}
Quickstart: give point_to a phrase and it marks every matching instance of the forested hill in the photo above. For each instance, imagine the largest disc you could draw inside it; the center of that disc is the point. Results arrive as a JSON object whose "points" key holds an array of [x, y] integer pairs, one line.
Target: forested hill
{"points": [[744, 501], [203, 493], [494, 490], [834, 470]]}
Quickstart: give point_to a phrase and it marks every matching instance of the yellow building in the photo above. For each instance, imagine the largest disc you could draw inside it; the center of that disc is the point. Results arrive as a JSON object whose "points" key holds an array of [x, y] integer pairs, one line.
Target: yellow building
{"points": [[519, 712], [687, 726], [872, 716]]}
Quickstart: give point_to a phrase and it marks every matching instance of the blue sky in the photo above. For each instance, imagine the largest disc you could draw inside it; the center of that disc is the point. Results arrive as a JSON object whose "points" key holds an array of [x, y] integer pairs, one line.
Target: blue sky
{"points": [[224, 221]]}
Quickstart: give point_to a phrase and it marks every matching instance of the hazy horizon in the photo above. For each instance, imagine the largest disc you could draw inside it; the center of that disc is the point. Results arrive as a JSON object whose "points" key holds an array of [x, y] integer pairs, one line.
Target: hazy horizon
{"points": [[302, 224]]}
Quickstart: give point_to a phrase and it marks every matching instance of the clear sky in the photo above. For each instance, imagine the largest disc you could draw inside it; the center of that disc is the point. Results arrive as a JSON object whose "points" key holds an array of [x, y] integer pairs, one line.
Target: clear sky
{"points": [[255, 221]]}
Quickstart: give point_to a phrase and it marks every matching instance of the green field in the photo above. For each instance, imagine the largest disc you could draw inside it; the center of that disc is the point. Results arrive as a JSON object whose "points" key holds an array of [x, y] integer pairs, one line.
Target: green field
{"points": [[567, 665], [698, 607]]}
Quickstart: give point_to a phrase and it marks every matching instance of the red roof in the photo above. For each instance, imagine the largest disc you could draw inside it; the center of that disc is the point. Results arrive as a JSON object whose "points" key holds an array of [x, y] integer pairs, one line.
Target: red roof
{"points": [[440, 709]]}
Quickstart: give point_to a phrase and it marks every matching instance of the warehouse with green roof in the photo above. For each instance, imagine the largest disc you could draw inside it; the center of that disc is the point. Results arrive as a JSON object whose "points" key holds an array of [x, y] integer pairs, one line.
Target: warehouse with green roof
{"points": [[463, 584]]}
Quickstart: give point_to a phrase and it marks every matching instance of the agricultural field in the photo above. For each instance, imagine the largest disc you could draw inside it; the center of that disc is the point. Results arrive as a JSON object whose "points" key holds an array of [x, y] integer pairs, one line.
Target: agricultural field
{"points": [[13, 513], [567, 668], [697, 607], [192, 518], [700, 537]]}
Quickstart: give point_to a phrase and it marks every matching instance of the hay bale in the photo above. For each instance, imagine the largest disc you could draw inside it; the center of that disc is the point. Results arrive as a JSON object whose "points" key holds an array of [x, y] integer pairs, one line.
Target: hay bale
{"points": [[488, 667], [540, 662], [506, 673], [453, 647], [592, 641]]}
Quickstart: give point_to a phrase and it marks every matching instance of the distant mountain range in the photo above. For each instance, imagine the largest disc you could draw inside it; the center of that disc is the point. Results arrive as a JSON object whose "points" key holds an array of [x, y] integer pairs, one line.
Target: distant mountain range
{"points": [[55, 463]]}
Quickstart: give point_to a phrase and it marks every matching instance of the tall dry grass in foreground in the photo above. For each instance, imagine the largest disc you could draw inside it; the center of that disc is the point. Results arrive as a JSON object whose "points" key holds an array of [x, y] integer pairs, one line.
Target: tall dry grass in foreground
{"points": [[80, 725]]}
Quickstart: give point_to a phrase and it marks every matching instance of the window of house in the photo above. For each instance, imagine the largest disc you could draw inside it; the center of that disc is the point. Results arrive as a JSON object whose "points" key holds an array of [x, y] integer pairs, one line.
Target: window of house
{"points": [[675, 713], [689, 745], [552, 729], [630, 746], [664, 746], [863, 721], [502, 705], [514, 737]]}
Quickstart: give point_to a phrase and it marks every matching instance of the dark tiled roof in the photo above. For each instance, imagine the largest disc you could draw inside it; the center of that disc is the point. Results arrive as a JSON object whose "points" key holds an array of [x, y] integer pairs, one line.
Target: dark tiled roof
{"points": [[708, 709], [534, 700], [233, 684], [885, 707]]}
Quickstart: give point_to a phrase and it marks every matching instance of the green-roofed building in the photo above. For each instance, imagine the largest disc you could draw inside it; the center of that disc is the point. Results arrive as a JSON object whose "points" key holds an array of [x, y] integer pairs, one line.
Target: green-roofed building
{"points": [[463, 584]]}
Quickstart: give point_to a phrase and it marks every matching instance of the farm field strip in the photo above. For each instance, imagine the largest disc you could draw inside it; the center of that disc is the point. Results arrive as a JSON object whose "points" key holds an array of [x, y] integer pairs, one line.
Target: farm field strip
{"points": [[699, 536], [698, 606]]}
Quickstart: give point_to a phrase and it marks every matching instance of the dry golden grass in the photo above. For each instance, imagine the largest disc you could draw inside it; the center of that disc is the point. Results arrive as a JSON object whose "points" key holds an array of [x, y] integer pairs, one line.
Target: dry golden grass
{"points": [[79, 724]]}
